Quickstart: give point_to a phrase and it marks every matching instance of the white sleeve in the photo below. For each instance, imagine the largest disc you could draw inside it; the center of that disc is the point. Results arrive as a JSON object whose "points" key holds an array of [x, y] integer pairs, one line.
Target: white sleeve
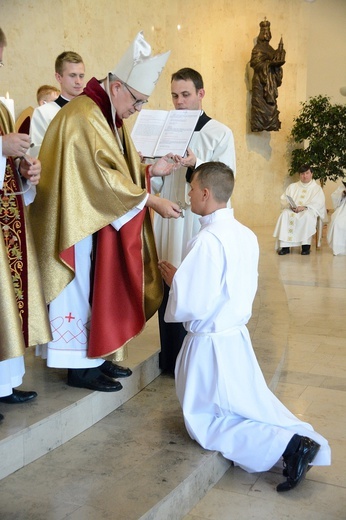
{"points": [[30, 193], [337, 196], [38, 126], [121, 221], [28, 196], [224, 151], [156, 184]]}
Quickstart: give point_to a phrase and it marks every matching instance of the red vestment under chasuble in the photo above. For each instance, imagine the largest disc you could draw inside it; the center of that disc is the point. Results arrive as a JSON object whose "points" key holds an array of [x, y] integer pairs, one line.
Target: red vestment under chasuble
{"points": [[88, 182], [23, 312]]}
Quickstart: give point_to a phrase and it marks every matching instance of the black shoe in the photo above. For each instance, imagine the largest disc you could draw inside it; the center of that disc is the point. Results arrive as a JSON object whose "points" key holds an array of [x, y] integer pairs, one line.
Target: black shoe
{"points": [[284, 251], [305, 250], [296, 465], [1, 417], [18, 396], [115, 371], [285, 472], [93, 379]]}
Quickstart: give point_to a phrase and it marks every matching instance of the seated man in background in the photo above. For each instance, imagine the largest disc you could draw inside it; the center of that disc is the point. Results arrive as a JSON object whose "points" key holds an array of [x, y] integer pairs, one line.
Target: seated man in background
{"points": [[297, 223], [336, 235]]}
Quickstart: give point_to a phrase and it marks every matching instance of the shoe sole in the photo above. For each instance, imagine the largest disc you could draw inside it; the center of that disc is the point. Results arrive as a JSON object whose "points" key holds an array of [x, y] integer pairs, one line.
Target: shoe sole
{"points": [[115, 376], [21, 401], [115, 388]]}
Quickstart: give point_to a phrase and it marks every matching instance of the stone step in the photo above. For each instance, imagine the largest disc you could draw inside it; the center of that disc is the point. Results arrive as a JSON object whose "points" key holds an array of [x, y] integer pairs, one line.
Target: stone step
{"points": [[77, 454], [59, 413], [137, 462]]}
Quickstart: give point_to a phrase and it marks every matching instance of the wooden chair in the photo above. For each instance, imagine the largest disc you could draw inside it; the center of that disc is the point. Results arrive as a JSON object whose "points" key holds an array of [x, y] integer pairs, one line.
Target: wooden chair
{"points": [[319, 232], [23, 121], [320, 224]]}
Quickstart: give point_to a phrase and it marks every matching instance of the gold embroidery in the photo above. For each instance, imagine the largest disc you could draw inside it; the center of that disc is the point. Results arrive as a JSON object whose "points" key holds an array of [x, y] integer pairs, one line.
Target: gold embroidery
{"points": [[12, 232]]}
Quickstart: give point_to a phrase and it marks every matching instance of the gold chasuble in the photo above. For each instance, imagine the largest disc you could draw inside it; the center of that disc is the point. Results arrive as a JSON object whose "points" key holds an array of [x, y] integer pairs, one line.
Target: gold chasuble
{"points": [[23, 312], [88, 181]]}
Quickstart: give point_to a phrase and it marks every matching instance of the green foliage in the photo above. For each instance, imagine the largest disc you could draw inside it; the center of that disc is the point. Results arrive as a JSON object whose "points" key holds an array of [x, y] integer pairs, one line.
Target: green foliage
{"points": [[320, 130]]}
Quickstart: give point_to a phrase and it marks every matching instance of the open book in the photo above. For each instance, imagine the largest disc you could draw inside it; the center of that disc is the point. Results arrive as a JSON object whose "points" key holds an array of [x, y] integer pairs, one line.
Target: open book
{"points": [[158, 132], [291, 202]]}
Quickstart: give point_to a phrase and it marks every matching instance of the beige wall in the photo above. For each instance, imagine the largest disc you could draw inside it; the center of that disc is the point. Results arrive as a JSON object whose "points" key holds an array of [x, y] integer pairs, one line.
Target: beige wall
{"points": [[326, 58], [216, 38]]}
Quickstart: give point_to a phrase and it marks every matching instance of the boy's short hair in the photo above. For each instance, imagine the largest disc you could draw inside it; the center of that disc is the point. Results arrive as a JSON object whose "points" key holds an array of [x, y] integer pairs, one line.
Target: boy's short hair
{"points": [[43, 92], [66, 57], [217, 177]]}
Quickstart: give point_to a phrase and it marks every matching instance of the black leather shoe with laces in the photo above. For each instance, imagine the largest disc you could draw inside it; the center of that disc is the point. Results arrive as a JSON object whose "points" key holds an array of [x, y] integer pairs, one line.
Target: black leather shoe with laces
{"points": [[296, 465]]}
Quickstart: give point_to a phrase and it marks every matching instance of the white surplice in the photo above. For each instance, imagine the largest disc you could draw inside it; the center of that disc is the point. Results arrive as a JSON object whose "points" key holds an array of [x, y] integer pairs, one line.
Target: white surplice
{"points": [[226, 403], [41, 118], [296, 229], [214, 142], [11, 375], [336, 235]]}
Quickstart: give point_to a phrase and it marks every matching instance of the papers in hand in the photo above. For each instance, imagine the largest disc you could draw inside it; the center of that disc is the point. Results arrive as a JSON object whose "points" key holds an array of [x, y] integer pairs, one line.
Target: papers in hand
{"points": [[27, 159], [291, 202], [158, 132]]}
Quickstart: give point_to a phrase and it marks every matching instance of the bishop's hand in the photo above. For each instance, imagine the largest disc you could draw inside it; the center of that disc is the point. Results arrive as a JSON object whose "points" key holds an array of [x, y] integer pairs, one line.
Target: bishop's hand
{"points": [[163, 166], [15, 145]]}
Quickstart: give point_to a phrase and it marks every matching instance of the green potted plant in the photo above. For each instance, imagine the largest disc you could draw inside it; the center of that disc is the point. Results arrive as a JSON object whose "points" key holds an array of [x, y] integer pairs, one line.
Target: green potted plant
{"points": [[320, 132]]}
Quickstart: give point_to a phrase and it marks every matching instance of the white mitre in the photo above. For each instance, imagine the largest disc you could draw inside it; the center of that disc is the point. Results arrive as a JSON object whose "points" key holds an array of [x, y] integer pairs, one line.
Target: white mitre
{"points": [[138, 69]]}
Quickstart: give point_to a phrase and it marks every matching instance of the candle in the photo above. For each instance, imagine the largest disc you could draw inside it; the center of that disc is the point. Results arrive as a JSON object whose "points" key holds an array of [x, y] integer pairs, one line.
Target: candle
{"points": [[9, 103]]}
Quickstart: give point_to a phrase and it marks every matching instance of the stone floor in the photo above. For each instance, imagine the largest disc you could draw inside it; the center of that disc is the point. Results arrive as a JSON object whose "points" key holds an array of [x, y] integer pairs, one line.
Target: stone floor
{"points": [[74, 454]]}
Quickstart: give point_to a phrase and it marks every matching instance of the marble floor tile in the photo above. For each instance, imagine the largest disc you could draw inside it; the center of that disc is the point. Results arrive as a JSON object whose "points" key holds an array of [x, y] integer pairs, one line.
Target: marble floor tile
{"points": [[311, 386], [140, 456]]}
